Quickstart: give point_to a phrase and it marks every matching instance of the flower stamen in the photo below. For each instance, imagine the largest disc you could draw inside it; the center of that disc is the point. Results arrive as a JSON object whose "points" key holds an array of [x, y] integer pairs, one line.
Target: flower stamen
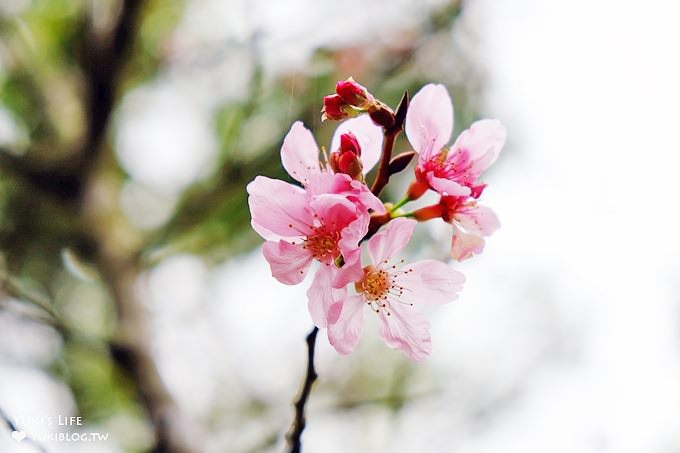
{"points": [[379, 287]]}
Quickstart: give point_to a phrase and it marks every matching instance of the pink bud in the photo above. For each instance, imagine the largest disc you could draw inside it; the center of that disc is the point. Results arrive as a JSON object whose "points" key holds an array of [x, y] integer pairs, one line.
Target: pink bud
{"points": [[334, 108], [354, 94], [346, 160], [349, 142]]}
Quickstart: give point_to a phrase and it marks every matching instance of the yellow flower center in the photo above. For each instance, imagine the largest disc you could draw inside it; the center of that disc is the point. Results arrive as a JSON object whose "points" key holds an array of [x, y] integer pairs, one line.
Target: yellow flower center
{"points": [[375, 285], [323, 245]]}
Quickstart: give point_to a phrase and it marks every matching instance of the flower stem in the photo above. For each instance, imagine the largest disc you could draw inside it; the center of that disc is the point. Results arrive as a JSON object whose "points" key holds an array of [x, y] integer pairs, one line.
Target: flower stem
{"points": [[401, 203], [298, 425], [404, 214], [383, 176], [391, 130]]}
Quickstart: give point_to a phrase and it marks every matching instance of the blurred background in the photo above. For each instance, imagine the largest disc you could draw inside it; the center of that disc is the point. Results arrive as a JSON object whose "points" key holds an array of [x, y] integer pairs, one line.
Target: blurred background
{"points": [[133, 293]]}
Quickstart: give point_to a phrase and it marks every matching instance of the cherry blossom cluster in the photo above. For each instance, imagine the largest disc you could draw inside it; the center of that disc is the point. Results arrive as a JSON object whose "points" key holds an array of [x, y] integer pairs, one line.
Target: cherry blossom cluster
{"points": [[332, 214]]}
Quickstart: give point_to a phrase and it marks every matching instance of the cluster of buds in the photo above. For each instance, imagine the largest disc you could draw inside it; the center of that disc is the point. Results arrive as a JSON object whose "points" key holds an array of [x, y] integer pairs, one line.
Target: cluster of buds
{"points": [[347, 159], [332, 215], [352, 99]]}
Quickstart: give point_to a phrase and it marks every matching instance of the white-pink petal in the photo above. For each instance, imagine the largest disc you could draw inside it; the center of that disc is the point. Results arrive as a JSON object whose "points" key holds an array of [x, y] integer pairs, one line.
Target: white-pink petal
{"points": [[429, 121], [334, 211], [345, 333], [369, 135], [351, 271], [341, 184], [484, 140], [289, 263], [464, 245], [479, 220], [447, 186], [391, 239], [429, 283], [405, 329], [367, 199], [353, 233], [278, 209], [324, 301], [300, 153]]}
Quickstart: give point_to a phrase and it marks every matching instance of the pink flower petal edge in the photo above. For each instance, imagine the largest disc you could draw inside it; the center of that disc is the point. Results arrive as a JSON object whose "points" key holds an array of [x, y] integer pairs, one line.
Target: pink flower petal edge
{"points": [[300, 153], [392, 289], [429, 120], [325, 302]]}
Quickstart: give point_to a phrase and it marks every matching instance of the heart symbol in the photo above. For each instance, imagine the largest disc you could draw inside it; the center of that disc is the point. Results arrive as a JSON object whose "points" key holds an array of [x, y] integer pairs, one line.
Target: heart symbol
{"points": [[19, 435]]}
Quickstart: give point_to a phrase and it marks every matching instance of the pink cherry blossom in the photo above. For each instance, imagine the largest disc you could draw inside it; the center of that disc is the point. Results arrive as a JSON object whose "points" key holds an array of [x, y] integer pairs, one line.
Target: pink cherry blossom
{"points": [[300, 158], [471, 223], [454, 172], [324, 220], [301, 230], [392, 289]]}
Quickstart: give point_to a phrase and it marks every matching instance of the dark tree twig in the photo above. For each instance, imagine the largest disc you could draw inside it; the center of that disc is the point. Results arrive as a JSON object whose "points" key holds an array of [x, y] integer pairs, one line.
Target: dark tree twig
{"points": [[295, 434], [102, 57]]}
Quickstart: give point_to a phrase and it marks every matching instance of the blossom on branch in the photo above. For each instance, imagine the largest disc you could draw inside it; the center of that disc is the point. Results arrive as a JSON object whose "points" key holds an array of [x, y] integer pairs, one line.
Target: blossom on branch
{"points": [[324, 220], [392, 290], [454, 171], [332, 213]]}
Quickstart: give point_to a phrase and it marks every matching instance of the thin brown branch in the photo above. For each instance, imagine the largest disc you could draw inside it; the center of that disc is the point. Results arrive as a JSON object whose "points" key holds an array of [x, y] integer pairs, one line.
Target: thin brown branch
{"points": [[383, 176], [390, 134], [295, 434]]}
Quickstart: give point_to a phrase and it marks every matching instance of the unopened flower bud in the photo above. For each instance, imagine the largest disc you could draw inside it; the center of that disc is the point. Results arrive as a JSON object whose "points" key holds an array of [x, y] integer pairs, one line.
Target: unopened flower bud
{"points": [[335, 108], [347, 159], [381, 115], [349, 143], [354, 94]]}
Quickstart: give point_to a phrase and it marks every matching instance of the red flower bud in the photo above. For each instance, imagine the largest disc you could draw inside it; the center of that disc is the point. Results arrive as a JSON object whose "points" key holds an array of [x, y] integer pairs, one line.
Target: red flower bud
{"points": [[334, 108], [346, 160], [354, 94], [349, 142]]}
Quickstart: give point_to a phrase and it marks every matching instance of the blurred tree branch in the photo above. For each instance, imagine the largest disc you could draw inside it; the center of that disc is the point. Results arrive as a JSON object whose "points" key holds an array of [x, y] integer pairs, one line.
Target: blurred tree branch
{"points": [[101, 59], [69, 186]]}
